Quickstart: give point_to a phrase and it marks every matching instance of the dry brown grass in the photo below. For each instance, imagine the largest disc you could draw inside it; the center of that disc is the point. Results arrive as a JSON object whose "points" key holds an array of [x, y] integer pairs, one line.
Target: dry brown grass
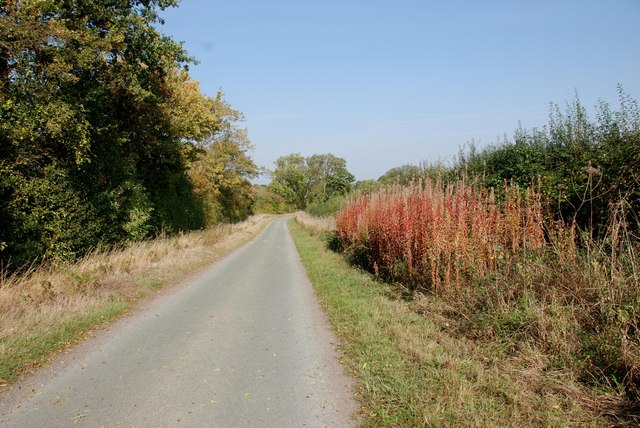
{"points": [[561, 308], [563, 322], [315, 224], [533, 375], [80, 295], [415, 370]]}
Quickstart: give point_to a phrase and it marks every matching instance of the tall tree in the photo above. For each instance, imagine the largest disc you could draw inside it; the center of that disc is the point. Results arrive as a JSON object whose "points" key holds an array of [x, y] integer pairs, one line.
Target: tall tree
{"points": [[221, 175], [98, 119], [317, 178], [327, 177], [289, 179]]}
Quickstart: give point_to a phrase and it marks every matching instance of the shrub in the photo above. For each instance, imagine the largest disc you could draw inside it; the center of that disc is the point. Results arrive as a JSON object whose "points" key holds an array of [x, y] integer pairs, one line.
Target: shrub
{"points": [[330, 207], [583, 165]]}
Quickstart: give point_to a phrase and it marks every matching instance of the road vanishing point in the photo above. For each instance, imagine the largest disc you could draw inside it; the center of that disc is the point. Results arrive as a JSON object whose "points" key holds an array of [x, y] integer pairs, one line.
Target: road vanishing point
{"points": [[243, 344]]}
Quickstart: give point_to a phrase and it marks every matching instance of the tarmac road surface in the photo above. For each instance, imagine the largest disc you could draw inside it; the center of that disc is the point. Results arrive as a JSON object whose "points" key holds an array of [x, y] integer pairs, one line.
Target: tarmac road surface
{"points": [[244, 344]]}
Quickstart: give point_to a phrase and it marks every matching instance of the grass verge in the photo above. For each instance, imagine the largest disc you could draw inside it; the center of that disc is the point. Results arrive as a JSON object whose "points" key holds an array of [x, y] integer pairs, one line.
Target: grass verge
{"points": [[412, 371], [52, 306]]}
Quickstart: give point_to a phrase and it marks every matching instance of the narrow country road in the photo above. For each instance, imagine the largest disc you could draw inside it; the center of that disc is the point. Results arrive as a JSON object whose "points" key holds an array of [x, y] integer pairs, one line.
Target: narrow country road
{"points": [[244, 345]]}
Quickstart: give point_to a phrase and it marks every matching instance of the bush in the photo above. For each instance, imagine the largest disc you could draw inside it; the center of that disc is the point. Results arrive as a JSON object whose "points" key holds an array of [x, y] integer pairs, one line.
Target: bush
{"points": [[583, 166], [330, 207]]}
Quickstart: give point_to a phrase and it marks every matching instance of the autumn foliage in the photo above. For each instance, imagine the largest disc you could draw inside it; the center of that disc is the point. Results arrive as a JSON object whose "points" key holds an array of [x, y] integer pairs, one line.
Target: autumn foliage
{"points": [[436, 236]]}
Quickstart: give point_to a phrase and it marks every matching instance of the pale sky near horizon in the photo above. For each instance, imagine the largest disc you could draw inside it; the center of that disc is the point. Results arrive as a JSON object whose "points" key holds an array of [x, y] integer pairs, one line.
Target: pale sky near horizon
{"points": [[385, 83]]}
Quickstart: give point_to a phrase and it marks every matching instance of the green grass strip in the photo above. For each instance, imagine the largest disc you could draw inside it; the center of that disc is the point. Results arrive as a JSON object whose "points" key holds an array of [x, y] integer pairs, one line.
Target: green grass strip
{"points": [[410, 371], [35, 349]]}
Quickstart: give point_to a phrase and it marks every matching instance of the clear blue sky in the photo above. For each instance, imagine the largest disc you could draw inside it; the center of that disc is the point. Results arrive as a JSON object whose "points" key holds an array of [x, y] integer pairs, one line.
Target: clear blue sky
{"points": [[384, 83]]}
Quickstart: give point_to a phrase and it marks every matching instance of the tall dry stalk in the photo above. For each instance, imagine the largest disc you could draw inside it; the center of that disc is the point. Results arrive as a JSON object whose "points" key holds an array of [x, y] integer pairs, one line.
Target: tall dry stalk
{"points": [[438, 236], [544, 289]]}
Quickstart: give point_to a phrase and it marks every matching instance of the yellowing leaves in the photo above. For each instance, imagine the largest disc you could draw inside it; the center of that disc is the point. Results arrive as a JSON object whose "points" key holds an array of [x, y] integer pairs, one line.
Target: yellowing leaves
{"points": [[194, 116], [221, 176]]}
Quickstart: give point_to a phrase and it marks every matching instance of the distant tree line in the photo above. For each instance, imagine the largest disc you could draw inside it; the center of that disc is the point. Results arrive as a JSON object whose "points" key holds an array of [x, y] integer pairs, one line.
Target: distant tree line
{"points": [[104, 136]]}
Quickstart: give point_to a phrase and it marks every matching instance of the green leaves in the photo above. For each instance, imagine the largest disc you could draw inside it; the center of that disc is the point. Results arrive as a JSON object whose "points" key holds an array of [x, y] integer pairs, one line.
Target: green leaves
{"points": [[314, 179], [583, 165], [221, 174], [99, 124]]}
